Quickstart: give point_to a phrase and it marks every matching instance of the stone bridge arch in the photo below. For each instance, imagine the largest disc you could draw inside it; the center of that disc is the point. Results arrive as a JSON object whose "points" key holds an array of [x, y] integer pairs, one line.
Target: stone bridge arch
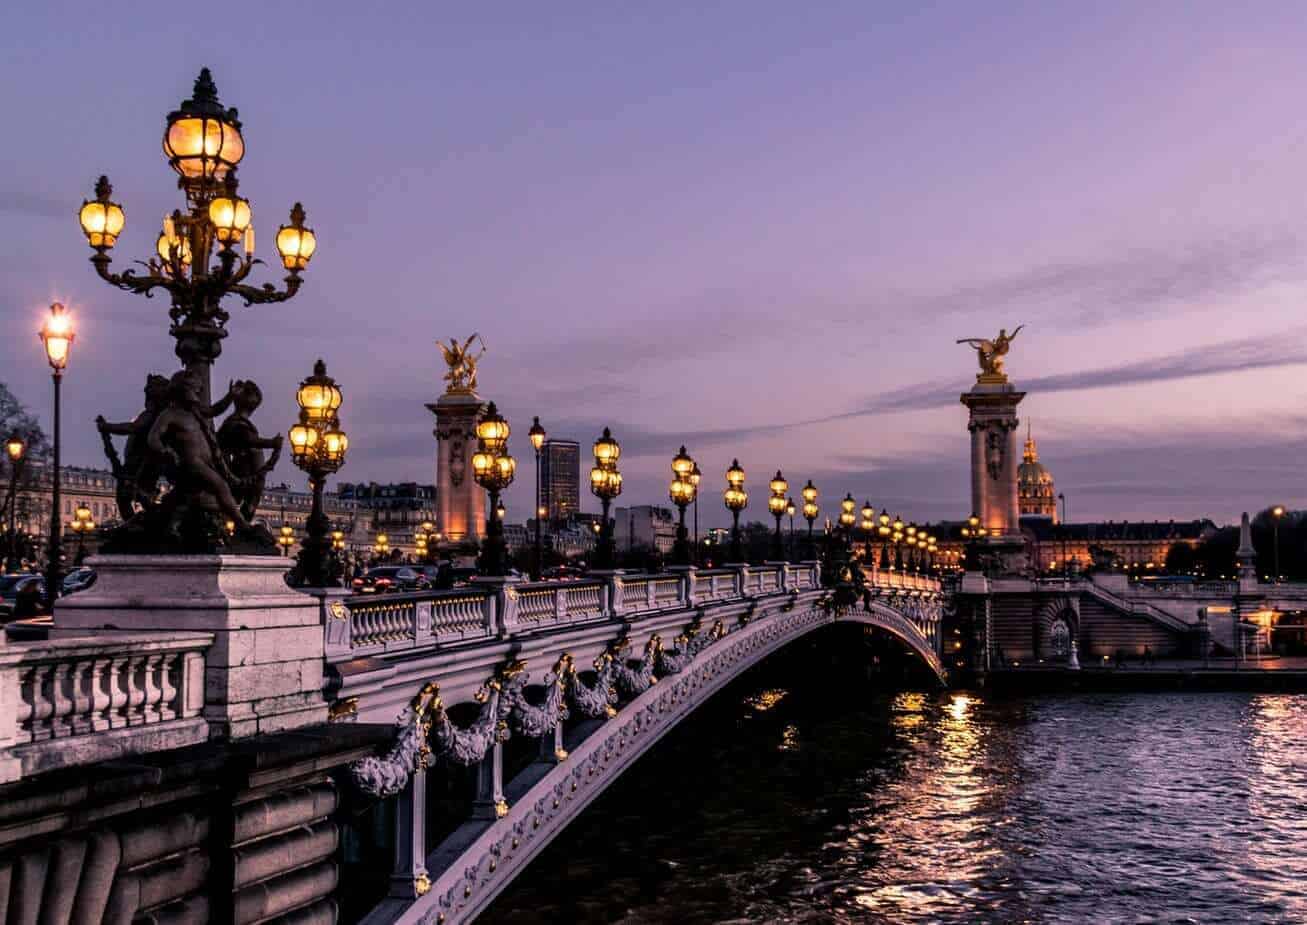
{"points": [[464, 874]]}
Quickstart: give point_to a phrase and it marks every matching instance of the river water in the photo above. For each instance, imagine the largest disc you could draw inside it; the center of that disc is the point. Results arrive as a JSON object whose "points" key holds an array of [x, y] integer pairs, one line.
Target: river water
{"points": [[825, 801]]}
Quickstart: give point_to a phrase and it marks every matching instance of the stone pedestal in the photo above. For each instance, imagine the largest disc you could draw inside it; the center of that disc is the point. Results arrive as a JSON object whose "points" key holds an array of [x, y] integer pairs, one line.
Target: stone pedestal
{"points": [[460, 503], [994, 456], [263, 672]]}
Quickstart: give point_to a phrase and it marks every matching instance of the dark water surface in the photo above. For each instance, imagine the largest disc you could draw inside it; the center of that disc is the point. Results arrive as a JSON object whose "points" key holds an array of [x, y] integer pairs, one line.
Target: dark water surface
{"points": [[811, 803]]}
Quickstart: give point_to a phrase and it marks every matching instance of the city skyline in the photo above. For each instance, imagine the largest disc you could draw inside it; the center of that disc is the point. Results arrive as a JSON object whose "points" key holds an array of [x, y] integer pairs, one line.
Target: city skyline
{"points": [[651, 234]]}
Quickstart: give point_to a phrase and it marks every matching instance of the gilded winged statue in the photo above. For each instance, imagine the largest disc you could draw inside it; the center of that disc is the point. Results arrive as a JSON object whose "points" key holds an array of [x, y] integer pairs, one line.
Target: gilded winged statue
{"points": [[990, 353], [462, 373]]}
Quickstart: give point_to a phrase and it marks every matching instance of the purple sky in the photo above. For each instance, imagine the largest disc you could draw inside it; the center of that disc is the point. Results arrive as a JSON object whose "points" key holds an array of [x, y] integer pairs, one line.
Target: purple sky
{"points": [[753, 228]]}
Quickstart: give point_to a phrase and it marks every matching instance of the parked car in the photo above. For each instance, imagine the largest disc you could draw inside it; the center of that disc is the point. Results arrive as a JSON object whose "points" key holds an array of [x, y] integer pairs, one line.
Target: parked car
{"points": [[391, 578], [79, 580], [21, 595]]}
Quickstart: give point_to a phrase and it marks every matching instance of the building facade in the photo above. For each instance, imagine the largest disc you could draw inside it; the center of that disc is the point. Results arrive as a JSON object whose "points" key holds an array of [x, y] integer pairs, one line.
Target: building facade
{"points": [[398, 510], [644, 525], [560, 479]]}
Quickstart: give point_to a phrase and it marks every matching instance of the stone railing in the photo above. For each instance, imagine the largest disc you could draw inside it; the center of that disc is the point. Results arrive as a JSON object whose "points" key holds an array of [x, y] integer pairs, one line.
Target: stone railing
{"points": [[78, 700], [363, 625]]}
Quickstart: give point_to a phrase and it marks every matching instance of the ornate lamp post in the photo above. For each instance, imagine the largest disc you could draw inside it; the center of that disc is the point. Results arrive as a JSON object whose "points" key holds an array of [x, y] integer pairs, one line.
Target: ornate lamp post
{"points": [[317, 446], [791, 510], [381, 546], [203, 144], [1277, 513], [537, 435], [910, 547], [606, 484], [896, 537], [868, 527], [883, 531], [16, 450], [847, 517], [57, 337], [681, 492], [286, 539], [493, 469], [82, 524], [810, 512], [736, 500], [776, 505], [695, 478]]}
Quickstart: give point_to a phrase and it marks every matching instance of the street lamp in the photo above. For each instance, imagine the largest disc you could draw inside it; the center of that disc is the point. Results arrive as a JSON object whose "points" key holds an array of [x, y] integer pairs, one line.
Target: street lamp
{"points": [[791, 510], [537, 436], [605, 484], [682, 492], [868, 526], [317, 446], [16, 448], [883, 531], [776, 504], [736, 500], [57, 337], [287, 539], [695, 478], [493, 469], [82, 524], [203, 144], [847, 517], [381, 546], [1277, 513], [810, 512]]}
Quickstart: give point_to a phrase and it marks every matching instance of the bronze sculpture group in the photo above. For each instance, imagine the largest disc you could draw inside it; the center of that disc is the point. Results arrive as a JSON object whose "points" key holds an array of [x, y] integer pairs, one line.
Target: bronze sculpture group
{"points": [[216, 477]]}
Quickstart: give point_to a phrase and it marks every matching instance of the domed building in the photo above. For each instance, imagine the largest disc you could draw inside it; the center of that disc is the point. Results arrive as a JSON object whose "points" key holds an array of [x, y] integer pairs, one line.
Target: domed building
{"points": [[1035, 492]]}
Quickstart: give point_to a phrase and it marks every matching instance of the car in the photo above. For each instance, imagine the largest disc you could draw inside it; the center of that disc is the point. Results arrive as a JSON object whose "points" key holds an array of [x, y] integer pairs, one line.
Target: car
{"points": [[79, 580], [390, 579], [21, 595]]}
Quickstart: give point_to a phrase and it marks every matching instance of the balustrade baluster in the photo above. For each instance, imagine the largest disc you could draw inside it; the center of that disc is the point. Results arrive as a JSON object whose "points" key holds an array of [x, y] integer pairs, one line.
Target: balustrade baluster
{"points": [[135, 676], [169, 676], [150, 709], [61, 698], [81, 686], [100, 694]]}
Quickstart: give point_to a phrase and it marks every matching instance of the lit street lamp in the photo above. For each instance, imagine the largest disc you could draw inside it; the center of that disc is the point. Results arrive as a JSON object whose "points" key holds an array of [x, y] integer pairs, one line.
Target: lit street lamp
{"points": [[537, 435], [868, 527], [883, 531], [606, 484], [776, 504], [204, 145], [317, 446], [791, 510], [682, 492], [493, 468], [810, 512], [1277, 513], [57, 337], [82, 524], [736, 500], [695, 478], [847, 517], [17, 450], [286, 540]]}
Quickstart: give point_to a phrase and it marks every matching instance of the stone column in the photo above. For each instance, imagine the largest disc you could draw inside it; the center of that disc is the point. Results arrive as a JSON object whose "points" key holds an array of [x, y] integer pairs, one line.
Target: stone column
{"points": [[460, 503], [992, 403]]}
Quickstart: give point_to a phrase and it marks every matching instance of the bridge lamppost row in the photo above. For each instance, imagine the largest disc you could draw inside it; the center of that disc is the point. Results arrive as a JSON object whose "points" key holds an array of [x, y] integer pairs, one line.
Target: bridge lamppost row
{"points": [[203, 144], [810, 512], [682, 492], [57, 338], [736, 500], [493, 468], [606, 484], [537, 436], [16, 449], [776, 504]]}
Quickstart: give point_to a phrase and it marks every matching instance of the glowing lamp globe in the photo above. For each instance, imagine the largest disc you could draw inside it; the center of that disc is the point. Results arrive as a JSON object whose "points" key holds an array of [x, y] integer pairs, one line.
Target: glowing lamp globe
{"points": [[101, 220]]}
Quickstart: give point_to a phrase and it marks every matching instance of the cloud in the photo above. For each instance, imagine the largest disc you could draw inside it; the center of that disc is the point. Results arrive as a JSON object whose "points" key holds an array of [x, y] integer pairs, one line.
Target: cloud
{"points": [[1130, 284], [21, 202]]}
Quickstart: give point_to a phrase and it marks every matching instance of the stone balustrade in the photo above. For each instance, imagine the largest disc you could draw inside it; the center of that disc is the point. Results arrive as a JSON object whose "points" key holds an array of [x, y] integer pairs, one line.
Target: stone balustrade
{"points": [[78, 700], [363, 625]]}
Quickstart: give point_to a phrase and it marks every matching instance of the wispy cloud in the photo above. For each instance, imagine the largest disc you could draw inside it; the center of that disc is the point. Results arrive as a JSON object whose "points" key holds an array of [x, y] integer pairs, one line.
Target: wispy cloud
{"points": [[22, 202]]}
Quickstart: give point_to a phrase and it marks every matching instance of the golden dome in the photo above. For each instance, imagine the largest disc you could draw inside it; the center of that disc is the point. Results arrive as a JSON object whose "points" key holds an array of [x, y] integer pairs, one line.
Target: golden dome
{"points": [[1035, 492]]}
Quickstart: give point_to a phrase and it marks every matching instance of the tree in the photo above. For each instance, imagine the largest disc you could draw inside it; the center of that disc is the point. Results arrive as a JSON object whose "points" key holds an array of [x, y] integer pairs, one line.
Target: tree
{"points": [[15, 418]]}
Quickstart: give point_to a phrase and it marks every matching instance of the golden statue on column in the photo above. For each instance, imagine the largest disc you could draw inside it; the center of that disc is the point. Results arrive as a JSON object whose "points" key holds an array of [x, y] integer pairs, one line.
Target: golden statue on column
{"points": [[462, 373], [990, 353]]}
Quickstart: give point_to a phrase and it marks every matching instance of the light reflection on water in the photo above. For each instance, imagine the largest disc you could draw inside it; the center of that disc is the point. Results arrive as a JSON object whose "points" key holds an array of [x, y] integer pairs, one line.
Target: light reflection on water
{"points": [[952, 808]]}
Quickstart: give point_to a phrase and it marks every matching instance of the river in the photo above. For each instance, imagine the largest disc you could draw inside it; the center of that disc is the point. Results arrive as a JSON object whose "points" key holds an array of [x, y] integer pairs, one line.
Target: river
{"points": [[793, 797]]}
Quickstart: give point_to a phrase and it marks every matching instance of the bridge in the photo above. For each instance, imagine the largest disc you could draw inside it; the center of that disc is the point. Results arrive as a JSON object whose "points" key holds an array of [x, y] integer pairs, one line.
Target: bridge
{"points": [[595, 671]]}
